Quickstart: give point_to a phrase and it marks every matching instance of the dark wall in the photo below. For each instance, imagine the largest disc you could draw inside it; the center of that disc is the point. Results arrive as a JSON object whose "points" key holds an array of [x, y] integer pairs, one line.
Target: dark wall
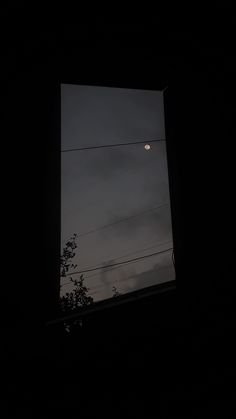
{"points": [[164, 351]]}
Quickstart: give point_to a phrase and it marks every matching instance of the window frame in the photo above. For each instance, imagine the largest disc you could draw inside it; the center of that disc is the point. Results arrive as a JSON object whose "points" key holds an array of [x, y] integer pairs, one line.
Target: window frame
{"points": [[143, 293]]}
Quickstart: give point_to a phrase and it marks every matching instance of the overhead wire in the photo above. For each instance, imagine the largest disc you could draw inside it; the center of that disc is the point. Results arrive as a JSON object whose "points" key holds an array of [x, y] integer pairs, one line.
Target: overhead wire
{"points": [[123, 256], [118, 263], [123, 219], [111, 145]]}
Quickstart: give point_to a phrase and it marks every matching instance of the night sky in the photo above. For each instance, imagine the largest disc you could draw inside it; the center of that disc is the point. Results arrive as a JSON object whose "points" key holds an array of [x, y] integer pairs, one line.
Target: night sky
{"points": [[103, 186]]}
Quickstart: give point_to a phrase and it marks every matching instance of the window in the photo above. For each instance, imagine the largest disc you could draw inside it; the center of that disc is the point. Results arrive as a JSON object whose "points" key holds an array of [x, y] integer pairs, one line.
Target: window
{"points": [[115, 204]]}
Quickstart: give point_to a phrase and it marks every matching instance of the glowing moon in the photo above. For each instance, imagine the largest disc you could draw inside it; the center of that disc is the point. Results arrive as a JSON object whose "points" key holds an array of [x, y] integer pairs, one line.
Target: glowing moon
{"points": [[147, 147]]}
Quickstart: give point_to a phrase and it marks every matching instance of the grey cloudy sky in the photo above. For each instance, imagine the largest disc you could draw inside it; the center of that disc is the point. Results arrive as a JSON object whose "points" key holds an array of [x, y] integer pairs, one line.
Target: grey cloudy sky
{"points": [[103, 186]]}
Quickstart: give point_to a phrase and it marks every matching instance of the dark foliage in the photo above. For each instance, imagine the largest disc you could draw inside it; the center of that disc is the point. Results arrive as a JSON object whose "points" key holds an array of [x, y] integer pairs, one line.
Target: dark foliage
{"points": [[116, 293], [67, 254], [78, 297]]}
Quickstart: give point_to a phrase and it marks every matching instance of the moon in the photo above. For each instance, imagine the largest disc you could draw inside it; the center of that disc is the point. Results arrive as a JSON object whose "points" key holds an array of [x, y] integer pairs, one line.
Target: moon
{"points": [[147, 147]]}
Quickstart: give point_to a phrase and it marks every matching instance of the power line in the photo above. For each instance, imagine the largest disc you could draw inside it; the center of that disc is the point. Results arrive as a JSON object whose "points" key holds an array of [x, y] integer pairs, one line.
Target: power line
{"points": [[110, 145], [123, 219], [128, 254], [116, 267], [119, 263], [109, 269], [132, 253]]}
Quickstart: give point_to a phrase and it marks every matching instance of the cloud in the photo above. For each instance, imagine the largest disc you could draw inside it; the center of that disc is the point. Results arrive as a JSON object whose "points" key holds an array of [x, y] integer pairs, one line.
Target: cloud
{"points": [[127, 282], [159, 274]]}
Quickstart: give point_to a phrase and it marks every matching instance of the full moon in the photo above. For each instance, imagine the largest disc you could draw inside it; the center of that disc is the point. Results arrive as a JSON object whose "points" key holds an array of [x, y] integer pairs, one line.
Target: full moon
{"points": [[147, 147]]}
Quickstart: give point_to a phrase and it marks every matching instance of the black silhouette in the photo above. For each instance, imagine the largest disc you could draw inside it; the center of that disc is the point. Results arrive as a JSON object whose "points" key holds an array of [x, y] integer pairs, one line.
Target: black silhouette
{"points": [[78, 297]]}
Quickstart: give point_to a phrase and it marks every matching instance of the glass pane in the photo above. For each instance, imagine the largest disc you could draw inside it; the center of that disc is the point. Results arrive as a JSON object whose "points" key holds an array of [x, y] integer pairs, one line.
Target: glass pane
{"points": [[114, 197]]}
